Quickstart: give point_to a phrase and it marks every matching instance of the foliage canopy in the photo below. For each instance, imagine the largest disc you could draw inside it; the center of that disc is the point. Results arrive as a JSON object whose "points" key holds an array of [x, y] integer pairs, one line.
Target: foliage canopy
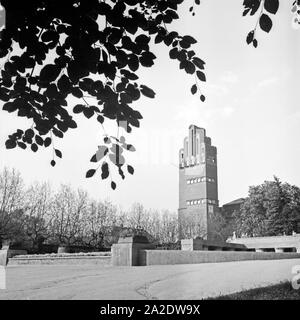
{"points": [[92, 50]]}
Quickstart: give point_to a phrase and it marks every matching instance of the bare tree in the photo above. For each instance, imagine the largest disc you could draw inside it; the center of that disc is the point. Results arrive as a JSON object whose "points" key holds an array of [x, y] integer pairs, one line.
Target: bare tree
{"points": [[98, 222], [11, 190], [37, 206], [68, 209], [136, 216], [11, 204]]}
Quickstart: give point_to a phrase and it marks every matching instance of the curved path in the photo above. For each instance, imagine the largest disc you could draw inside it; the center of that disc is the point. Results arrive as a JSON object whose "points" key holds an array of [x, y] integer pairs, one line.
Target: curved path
{"points": [[193, 281]]}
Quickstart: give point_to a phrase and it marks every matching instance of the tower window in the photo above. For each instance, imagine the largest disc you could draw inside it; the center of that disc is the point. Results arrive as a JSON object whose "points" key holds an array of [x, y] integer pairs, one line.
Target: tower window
{"points": [[192, 142]]}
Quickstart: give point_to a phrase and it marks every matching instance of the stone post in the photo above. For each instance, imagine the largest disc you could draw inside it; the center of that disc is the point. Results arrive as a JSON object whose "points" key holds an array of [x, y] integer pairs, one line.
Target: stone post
{"points": [[259, 250], [192, 244], [126, 251], [279, 250], [3, 257]]}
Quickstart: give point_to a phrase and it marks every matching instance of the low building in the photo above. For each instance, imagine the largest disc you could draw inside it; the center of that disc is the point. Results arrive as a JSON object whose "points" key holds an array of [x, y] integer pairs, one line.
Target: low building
{"points": [[289, 243]]}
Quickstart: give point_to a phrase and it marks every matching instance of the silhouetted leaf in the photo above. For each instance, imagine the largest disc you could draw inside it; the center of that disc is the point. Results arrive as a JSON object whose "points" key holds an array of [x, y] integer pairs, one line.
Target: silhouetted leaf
{"points": [[252, 5], [129, 75], [147, 91], [90, 173], [194, 89], [265, 22], [201, 75], [29, 133], [199, 63], [133, 62], [10, 144], [100, 119], [102, 151], [10, 107], [93, 158], [189, 67], [34, 147], [130, 169], [88, 112], [76, 92], [250, 37], [53, 163], [105, 170], [173, 53], [57, 133], [71, 124], [189, 39], [113, 185], [47, 142], [147, 58], [64, 83], [106, 140], [130, 147], [271, 6], [49, 73], [58, 153], [39, 140], [78, 108], [21, 145]]}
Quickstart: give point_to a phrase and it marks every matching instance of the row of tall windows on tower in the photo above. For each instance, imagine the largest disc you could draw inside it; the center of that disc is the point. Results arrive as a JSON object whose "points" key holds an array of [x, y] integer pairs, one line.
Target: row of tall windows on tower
{"points": [[200, 179], [200, 201], [194, 160]]}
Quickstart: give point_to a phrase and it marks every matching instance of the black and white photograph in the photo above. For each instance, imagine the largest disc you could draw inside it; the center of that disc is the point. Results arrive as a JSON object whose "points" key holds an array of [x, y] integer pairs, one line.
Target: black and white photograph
{"points": [[149, 151]]}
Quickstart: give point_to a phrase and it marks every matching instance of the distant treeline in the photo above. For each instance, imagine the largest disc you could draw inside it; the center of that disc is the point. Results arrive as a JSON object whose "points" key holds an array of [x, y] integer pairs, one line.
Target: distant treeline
{"points": [[36, 217]]}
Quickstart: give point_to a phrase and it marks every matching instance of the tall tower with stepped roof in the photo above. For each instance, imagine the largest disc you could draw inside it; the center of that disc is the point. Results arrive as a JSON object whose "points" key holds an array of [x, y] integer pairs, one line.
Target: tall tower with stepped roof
{"points": [[198, 185]]}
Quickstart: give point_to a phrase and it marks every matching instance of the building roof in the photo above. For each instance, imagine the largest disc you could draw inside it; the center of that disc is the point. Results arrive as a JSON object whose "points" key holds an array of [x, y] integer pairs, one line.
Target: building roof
{"points": [[193, 125], [234, 202]]}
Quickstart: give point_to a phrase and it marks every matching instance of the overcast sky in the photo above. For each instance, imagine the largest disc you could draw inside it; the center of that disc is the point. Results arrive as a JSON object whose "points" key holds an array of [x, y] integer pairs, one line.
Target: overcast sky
{"points": [[251, 113]]}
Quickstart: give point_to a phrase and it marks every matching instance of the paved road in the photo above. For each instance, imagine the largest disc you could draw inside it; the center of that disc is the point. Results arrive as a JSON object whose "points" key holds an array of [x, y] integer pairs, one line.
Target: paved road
{"points": [[193, 281]]}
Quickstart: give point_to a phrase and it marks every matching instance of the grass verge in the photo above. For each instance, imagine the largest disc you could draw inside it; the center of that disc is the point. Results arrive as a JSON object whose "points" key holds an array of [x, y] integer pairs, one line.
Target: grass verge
{"points": [[282, 291]]}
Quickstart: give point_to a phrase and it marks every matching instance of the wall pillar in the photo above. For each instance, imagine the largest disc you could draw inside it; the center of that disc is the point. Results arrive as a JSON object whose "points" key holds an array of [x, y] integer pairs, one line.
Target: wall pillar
{"points": [[279, 250], [192, 244], [126, 251], [3, 257], [298, 249], [259, 250]]}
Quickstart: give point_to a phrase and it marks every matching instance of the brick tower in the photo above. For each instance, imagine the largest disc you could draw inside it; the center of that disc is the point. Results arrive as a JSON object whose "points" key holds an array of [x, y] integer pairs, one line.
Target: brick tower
{"points": [[198, 185]]}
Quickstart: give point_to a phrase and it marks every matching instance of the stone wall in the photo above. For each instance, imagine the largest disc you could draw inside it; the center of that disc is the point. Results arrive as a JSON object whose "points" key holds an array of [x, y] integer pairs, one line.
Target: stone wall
{"points": [[127, 251], [12, 252], [201, 244], [66, 259], [163, 257]]}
